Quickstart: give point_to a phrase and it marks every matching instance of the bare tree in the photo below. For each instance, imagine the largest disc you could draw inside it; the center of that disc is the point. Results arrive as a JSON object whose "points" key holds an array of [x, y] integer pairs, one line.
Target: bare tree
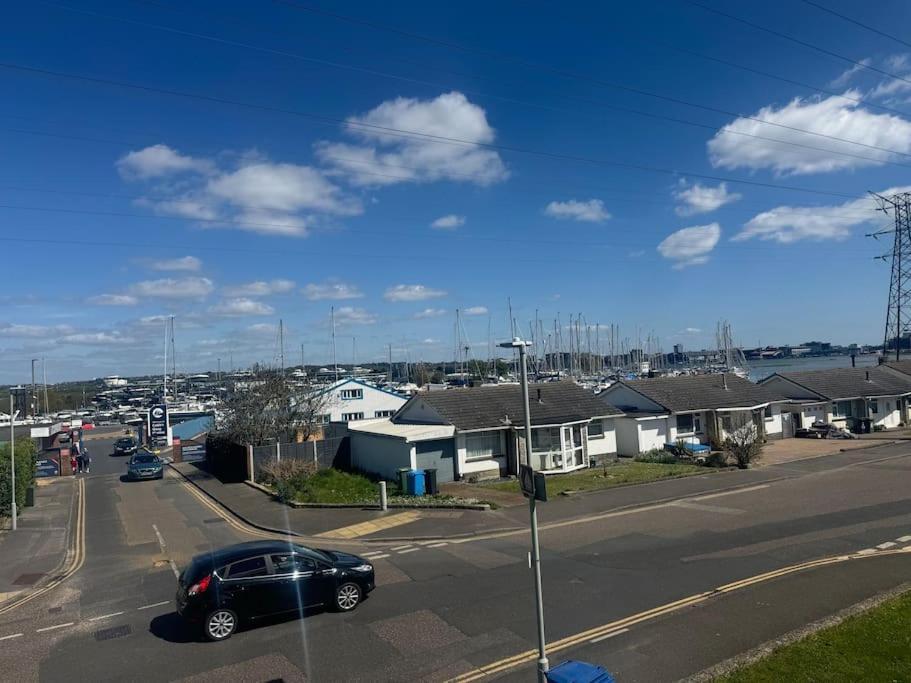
{"points": [[269, 407], [743, 444]]}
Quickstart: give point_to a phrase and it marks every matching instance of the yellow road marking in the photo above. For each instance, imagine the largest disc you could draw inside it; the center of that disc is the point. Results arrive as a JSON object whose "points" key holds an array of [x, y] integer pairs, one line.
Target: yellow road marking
{"points": [[76, 554], [530, 656], [365, 528]]}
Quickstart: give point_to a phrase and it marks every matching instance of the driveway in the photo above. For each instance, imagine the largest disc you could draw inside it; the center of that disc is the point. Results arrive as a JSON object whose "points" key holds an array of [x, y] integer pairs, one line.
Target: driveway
{"points": [[787, 450]]}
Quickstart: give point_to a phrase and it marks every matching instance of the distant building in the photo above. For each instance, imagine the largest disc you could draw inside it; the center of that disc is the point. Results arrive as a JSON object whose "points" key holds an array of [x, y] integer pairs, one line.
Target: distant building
{"points": [[350, 400], [678, 349]]}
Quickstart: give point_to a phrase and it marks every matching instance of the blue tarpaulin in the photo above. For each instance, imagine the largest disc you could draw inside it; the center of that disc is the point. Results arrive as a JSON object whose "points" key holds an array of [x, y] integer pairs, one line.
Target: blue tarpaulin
{"points": [[572, 671]]}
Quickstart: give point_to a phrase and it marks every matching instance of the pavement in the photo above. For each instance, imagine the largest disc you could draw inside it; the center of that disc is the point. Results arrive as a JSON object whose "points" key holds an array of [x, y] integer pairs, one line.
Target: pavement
{"points": [[653, 591]]}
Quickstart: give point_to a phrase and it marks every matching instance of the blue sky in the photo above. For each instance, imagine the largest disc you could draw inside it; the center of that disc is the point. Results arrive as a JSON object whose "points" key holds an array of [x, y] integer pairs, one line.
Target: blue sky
{"points": [[234, 164]]}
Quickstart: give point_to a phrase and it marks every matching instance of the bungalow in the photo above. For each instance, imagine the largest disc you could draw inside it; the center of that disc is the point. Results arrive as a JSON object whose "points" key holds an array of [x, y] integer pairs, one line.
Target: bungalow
{"points": [[349, 400], [699, 409], [845, 396], [478, 432]]}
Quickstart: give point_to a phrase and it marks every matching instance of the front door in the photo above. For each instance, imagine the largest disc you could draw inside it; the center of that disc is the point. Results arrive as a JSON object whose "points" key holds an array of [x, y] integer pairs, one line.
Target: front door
{"points": [[300, 583]]}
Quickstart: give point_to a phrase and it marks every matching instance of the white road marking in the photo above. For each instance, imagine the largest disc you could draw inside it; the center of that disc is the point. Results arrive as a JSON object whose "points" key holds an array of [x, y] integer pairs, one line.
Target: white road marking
{"points": [[401, 547], [174, 569], [15, 635], [731, 493], [160, 538], [886, 545], [155, 604], [373, 554], [609, 635], [903, 539], [408, 550], [715, 509], [51, 628], [106, 616], [866, 551], [437, 545], [379, 557]]}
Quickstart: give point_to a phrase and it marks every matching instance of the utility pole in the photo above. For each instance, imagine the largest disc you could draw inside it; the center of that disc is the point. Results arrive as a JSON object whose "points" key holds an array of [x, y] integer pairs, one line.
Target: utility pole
{"points": [[33, 399], [334, 358], [389, 378], [898, 311], [543, 665], [281, 345], [218, 371], [44, 370], [12, 458]]}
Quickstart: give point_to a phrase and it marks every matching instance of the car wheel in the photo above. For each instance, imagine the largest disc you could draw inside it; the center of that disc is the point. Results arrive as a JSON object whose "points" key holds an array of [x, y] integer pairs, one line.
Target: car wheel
{"points": [[220, 624], [347, 597]]}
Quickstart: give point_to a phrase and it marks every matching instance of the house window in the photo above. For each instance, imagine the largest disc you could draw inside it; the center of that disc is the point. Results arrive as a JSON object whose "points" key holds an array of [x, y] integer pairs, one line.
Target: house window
{"points": [[689, 423], [323, 419], [351, 417], [483, 446], [349, 394], [767, 413], [595, 429], [874, 406], [546, 440], [383, 413], [841, 409]]}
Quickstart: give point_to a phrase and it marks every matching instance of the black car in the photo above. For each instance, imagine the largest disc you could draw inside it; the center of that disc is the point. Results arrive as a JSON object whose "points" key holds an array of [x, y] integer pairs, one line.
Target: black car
{"points": [[125, 446], [262, 578]]}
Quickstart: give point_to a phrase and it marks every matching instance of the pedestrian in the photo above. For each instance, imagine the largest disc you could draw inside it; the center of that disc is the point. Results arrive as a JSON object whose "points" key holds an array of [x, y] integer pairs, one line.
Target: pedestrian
{"points": [[78, 457], [86, 460], [73, 462]]}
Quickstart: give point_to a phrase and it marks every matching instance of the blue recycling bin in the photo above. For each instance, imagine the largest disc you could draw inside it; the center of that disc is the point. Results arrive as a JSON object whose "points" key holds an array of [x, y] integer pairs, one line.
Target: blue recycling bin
{"points": [[415, 482], [572, 671]]}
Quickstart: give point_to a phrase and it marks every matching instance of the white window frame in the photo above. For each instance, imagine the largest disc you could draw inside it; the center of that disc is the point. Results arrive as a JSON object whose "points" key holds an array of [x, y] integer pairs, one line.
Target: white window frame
{"points": [[383, 413], [599, 435], [494, 453], [352, 417], [697, 424], [874, 405], [351, 394]]}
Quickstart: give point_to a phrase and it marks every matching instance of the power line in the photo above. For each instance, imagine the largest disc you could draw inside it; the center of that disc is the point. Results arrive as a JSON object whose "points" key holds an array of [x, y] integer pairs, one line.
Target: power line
{"points": [[406, 134], [797, 41], [856, 22], [628, 110]]}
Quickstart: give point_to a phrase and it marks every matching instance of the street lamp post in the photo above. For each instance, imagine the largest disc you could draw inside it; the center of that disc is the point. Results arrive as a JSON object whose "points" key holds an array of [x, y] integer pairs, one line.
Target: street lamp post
{"points": [[543, 665], [12, 459]]}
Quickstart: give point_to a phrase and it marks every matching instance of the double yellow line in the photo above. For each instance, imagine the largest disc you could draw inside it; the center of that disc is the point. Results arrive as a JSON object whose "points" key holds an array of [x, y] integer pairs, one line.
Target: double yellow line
{"points": [[75, 556], [604, 630]]}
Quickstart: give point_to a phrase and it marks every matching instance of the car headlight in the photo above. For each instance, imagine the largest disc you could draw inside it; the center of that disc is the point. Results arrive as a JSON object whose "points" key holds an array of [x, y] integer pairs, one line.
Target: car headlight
{"points": [[363, 568]]}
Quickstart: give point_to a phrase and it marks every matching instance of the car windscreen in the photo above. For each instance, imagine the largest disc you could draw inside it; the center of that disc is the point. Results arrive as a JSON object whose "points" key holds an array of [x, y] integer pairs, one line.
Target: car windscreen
{"points": [[145, 459], [312, 552], [124, 442]]}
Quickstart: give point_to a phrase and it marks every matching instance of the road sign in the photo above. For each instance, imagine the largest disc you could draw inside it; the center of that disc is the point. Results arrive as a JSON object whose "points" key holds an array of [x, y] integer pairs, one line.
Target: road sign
{"points": [[158, 424], [193, 452], [532, 483]]}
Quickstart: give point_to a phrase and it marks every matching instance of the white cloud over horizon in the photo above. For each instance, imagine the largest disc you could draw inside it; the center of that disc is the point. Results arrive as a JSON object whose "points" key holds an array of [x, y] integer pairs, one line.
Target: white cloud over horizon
{"points": [[260, 288], [331, 290], [349, 315], [173, 288], [412, 293], [698, 198], [475, 310], [112, 300], [184, 263], [590, 211], [430, 313], [448, 222], [690, 246], [241, 306]]}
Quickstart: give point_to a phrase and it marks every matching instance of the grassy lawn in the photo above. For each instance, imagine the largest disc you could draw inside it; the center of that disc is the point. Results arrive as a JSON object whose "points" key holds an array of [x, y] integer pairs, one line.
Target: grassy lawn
{"points": [[874, 646], [614, 475]]}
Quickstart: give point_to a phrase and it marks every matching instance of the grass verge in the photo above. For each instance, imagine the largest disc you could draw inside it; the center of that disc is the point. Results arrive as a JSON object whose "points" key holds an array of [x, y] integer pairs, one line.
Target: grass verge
{"points": [[621, 474], [873, 646]]}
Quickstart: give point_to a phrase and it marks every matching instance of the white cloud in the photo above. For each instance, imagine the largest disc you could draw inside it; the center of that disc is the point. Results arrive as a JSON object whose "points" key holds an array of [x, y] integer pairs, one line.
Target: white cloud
{"points": [[347, 315], [591, 211], [430, 341], [448, 222], [690, 246], [412, 293], [187, 263], [241, 306], [834, 116], [262, 329], [113, 300], [430, 313], [845, 77], [698, 198], [788, 224], [158, 161], [96, 339], [475, 310], [691, 330], [333, 290], [33, 331], [171, 288], [386, 157], [260, 288]]}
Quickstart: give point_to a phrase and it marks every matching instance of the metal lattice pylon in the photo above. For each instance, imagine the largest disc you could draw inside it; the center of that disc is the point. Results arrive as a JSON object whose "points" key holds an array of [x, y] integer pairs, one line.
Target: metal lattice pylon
{"points": [[898, 311]]}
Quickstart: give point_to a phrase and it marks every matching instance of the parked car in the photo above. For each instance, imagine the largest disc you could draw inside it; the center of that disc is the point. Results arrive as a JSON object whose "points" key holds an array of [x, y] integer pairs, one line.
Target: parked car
{"points": [[126, 445], [145, 465], [247, 581]]}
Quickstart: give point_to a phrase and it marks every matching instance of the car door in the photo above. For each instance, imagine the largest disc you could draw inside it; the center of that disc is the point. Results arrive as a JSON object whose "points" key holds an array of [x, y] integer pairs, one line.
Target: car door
{"points": [[302, 583], [248, 587]]}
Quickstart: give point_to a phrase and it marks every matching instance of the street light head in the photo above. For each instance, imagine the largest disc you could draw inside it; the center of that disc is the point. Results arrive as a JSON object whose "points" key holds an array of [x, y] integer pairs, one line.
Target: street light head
{"points": [[514, 344]]}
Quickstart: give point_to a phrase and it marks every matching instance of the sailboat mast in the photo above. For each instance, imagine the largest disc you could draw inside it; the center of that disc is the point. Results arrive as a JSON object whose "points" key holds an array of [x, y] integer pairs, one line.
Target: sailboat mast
{"points": [[334, 355], [281, 345]]}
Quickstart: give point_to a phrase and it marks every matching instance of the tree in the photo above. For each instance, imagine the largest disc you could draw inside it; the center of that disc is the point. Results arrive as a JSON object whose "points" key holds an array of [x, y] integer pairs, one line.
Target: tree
{"points": [[269, 408], [25, 474], [743, 444]]}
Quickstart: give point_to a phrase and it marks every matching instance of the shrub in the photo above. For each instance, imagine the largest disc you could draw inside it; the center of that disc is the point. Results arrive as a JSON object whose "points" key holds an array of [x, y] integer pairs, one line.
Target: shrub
{"points": [[743, 445], [657, 455], [716, 459], [25, 474], [288, 469]]}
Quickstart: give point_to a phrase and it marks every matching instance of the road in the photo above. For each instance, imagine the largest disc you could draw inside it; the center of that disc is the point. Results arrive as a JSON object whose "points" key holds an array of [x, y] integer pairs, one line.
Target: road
{"points": [[442, 611]]}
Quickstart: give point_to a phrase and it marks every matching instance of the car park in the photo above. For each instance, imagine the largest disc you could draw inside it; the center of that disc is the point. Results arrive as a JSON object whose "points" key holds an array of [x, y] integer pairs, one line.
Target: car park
{"points": [[248, 581], [145, 465]]}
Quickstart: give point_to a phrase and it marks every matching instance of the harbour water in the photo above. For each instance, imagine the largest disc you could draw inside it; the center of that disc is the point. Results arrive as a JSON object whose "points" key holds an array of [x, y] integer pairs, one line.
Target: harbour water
{"points": [[764, 368]]}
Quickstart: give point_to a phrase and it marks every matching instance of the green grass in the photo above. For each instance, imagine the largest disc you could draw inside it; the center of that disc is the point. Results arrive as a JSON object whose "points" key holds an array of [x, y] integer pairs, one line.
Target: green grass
{"points": [[874, 646], [333, 486], [596, 478]]}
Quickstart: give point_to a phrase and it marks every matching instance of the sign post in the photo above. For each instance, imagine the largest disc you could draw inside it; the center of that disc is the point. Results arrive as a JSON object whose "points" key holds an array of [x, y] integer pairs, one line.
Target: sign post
{"points": [[158, 426]]}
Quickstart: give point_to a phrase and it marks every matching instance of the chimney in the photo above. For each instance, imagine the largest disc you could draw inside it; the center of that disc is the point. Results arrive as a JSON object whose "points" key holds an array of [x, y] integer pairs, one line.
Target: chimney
{"points": [[853, 359], [539, 395], [724, 380], [868, 375]]}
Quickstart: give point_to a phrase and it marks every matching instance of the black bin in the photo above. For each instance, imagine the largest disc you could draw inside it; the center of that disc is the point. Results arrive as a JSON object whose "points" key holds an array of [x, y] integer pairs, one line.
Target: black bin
{"points": [[430, 482], [30, 497]]}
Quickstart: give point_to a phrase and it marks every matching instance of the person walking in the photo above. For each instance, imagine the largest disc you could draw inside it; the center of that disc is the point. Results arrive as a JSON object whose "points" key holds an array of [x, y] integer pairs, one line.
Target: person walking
{"points": [[78, 455], [86, 460]]}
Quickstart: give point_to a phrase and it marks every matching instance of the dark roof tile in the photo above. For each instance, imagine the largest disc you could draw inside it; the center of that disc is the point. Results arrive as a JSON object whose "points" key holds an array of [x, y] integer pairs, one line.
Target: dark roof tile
{"points": [[835, 383], [703, 392]]}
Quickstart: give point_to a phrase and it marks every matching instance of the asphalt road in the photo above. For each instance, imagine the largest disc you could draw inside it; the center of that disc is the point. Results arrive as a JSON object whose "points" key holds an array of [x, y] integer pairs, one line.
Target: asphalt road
{"points": [[442, 611]]}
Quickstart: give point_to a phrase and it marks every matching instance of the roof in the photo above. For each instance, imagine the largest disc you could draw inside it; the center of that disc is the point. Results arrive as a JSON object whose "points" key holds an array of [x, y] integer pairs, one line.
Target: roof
{"points": [[836, 383], [486, 407], [408, 432], [703, 392], [903, 366], [353, 380]]}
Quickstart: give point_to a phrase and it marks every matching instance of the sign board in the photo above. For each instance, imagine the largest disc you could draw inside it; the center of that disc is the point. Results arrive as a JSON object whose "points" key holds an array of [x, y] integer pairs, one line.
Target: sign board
{"points": [[532, 483], [47, 467], [193, 452], [158, 424]]}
